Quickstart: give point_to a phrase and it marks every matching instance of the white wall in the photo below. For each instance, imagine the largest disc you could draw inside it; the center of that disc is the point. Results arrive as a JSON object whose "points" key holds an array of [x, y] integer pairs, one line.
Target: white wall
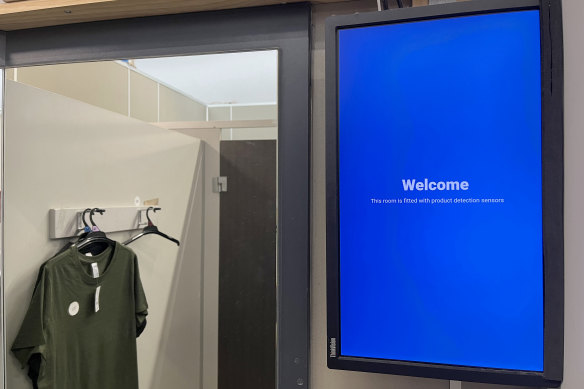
{"points": [[64, 153], [324, 378]]}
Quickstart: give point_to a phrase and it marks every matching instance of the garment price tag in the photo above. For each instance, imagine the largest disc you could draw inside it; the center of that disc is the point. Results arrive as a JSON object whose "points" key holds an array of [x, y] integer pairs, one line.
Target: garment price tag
{"points": [[95, 270], [97, 298]]}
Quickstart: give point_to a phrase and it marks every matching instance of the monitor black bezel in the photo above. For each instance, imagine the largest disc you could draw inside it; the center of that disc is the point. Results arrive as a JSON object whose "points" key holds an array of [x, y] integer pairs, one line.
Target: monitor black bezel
{"points": [[552, 190]]}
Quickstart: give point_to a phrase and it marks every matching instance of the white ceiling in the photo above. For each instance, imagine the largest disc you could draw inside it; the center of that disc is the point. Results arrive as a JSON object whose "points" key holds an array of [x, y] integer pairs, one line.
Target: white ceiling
{"points": [[227, 78]]}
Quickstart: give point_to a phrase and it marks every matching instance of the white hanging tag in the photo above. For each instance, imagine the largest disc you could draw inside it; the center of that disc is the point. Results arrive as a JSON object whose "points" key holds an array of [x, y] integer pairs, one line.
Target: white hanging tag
{"points": [[95, 270], [97, 298]]}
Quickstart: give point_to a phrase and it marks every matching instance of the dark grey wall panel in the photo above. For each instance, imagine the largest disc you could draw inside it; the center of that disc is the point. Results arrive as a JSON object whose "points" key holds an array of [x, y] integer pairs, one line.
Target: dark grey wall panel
{"points": [[207, 32], [247, 265], [286, 28], [2, 48]]}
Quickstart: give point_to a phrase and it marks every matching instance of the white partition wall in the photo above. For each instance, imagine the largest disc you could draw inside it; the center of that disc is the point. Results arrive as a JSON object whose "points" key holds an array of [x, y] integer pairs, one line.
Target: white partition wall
{"points": [[64, 153]]}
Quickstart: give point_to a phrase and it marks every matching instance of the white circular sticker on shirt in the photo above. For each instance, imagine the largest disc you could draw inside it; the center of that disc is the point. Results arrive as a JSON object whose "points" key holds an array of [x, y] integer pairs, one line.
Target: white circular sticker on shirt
{"points": [[73, 308]]}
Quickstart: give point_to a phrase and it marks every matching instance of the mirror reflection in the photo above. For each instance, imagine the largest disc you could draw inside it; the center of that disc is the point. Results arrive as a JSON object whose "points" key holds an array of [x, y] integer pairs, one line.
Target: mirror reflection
{"points": [[140, 223]]}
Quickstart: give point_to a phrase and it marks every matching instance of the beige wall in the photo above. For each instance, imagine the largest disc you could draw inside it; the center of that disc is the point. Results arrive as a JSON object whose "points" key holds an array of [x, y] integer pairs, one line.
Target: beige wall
{"points": [[243, 112], [255, 112], [175, 107], [180, 355], [115, 87], [219, 113], [210, 249], [324, 378], [143, 98], [246, 112], [119, 88], [573, 11], [48, 167], [103, 84]]}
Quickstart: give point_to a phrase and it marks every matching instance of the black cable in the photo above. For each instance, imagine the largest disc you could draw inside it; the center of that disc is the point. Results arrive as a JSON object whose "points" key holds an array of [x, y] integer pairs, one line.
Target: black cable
{"points": [[385, 4], [400, 3]]}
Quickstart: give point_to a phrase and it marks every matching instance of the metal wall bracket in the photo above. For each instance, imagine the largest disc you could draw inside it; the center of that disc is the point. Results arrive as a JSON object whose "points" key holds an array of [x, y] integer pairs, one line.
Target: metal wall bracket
{"points": [[219, 184]]}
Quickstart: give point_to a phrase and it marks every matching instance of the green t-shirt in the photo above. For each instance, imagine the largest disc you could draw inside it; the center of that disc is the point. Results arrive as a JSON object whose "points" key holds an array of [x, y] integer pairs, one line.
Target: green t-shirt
{"points": [[85, 327]]}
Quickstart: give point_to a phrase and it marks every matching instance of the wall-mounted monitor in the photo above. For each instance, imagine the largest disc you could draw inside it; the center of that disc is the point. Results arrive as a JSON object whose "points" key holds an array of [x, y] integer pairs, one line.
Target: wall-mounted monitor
{"points": [[445, 192]]}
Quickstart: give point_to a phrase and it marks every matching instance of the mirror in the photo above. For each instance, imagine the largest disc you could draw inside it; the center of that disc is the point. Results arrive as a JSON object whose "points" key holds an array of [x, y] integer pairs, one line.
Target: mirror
{"points": [[194, 136]]}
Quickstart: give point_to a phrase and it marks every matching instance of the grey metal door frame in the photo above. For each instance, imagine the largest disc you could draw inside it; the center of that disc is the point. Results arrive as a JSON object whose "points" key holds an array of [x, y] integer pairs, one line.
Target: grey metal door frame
{"points": [[285, 28]]}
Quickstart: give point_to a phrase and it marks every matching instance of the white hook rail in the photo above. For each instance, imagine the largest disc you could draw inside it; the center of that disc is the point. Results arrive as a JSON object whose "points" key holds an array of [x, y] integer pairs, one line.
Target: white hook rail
{"points": [[67, 222]]}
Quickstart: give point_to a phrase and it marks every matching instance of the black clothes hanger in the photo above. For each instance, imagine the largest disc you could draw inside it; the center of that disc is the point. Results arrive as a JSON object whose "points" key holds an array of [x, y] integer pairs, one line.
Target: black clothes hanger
{"points": [[95, 238], [151, 229], [86, 230]]}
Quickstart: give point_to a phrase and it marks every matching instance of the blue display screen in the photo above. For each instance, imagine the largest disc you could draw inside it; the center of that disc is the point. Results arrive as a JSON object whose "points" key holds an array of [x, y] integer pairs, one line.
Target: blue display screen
{"points": [[440, 191]]}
